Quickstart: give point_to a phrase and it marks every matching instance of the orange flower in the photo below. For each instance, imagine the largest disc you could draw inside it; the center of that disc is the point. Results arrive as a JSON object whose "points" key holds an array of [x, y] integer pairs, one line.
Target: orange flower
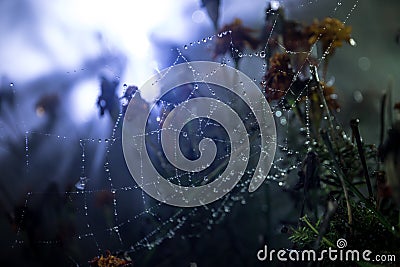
{"points": [[239, 38], [279, 77], [331, 32]]}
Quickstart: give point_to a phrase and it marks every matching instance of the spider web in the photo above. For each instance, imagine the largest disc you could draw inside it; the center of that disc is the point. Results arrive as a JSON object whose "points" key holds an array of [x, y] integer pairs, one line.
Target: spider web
{"points": [[110, 211]]}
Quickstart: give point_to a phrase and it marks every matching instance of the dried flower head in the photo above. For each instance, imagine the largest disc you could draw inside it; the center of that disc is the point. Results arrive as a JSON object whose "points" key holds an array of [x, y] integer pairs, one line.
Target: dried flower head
{"points": [[239, 38], [331, 32], [109, 260], [295, 37], [279, 77]]}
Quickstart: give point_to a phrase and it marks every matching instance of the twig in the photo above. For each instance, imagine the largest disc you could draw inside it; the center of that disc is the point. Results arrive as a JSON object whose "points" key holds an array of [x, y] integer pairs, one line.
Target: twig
{"points": [[383, 109], [328, 143], [299, 114], [356, 133], [315, 77], [390, 101], [331, 209]]}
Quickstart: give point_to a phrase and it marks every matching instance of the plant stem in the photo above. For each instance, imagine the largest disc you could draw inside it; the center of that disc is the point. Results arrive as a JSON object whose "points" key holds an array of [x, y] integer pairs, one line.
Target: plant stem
{"points": [[324, 239], [314, 73], [383, 110], [356, 133], [328, 142], [357, 192]]}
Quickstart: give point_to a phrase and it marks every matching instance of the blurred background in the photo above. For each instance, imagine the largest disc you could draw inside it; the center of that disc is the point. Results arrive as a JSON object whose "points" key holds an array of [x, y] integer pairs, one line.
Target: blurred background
{"points": [[57, 60]]}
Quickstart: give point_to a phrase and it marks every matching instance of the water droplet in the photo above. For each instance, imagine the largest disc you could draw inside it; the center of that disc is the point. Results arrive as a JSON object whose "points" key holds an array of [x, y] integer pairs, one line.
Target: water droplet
{"points": [[185, 47], [184, 134], [11, 84], [262, 54], [81, 184]]}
